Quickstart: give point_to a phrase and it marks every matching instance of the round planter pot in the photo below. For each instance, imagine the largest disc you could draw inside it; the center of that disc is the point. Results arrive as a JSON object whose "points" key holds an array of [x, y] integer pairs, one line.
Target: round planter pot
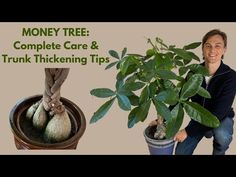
{"points": [[26, 137], [158, 147]]}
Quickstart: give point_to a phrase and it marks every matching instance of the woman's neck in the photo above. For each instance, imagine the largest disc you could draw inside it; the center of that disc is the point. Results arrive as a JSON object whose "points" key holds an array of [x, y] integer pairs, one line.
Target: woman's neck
{"points": [[212, 67]]}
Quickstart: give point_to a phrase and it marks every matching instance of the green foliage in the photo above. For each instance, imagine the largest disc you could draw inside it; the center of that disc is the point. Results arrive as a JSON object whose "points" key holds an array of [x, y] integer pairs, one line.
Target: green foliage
{"points": [[143, 80], [102, 92], [102, 111]]}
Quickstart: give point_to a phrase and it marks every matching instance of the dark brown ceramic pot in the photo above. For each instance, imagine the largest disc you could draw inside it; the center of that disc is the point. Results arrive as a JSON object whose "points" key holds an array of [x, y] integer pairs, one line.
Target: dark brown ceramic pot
{"points": [[26, 137]]}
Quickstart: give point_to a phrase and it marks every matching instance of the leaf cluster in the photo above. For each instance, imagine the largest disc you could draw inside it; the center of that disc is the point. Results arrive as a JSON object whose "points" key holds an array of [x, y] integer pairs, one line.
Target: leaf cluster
{"points": [[165, 77]]}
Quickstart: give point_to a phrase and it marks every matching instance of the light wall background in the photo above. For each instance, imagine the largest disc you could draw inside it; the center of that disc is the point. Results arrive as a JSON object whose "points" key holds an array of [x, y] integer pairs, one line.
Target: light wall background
{"points": [[110, 135]]}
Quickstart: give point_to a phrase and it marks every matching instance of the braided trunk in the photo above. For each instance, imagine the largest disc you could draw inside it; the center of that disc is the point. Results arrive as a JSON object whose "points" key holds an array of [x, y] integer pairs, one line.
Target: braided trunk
{"points": [[49, 114], [160, 132]]}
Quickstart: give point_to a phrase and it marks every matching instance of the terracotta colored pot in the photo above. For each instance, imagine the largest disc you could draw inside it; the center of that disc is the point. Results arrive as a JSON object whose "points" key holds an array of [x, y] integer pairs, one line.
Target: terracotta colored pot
{"points": [[26, 137]]}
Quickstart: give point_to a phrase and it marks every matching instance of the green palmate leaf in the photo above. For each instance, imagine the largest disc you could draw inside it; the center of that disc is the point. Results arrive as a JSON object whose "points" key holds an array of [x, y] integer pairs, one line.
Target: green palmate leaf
{"points": [[124, 66], [150, 65], [132, 119], [157, 57], [163, 62], [161, 83], [133, 86], [132, 68], [191, 87], [170, 55], [201, 115], [144, 96], [152, 88], [102, 111], [169, 96], [174, 124], [203, 92], [119, 84], [189, 75], [198, 69], [166, 74], [114, 54], [118, 65], [180, 84], [192, 46], [120, 76], [135, 60], [102, 92], [177, 58], [186, 61], [146, 75], [125, 92], [162, 109], [179, 63], [128, 66], [150, 53], [143, 111], [134, 100], [182, 70], [111, 64], [182, 53], [123, 52], [169, 84], [194, 56], [123, 102], [142, 76], [132, 78], [138, 114]]}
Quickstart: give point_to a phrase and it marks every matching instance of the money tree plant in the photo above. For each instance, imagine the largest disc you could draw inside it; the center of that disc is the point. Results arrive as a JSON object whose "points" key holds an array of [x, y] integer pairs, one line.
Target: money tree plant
{"points": [[166, 77]]}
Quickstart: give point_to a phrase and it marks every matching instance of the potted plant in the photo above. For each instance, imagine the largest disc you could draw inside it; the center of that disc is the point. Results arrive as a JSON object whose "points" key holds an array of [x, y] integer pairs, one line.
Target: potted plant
{"points": [[164, 77], [47, 121]]}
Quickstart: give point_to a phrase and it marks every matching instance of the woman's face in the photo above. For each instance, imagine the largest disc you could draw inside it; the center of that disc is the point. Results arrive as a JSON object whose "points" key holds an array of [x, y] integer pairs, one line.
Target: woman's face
{"points": [[213, 49]]}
